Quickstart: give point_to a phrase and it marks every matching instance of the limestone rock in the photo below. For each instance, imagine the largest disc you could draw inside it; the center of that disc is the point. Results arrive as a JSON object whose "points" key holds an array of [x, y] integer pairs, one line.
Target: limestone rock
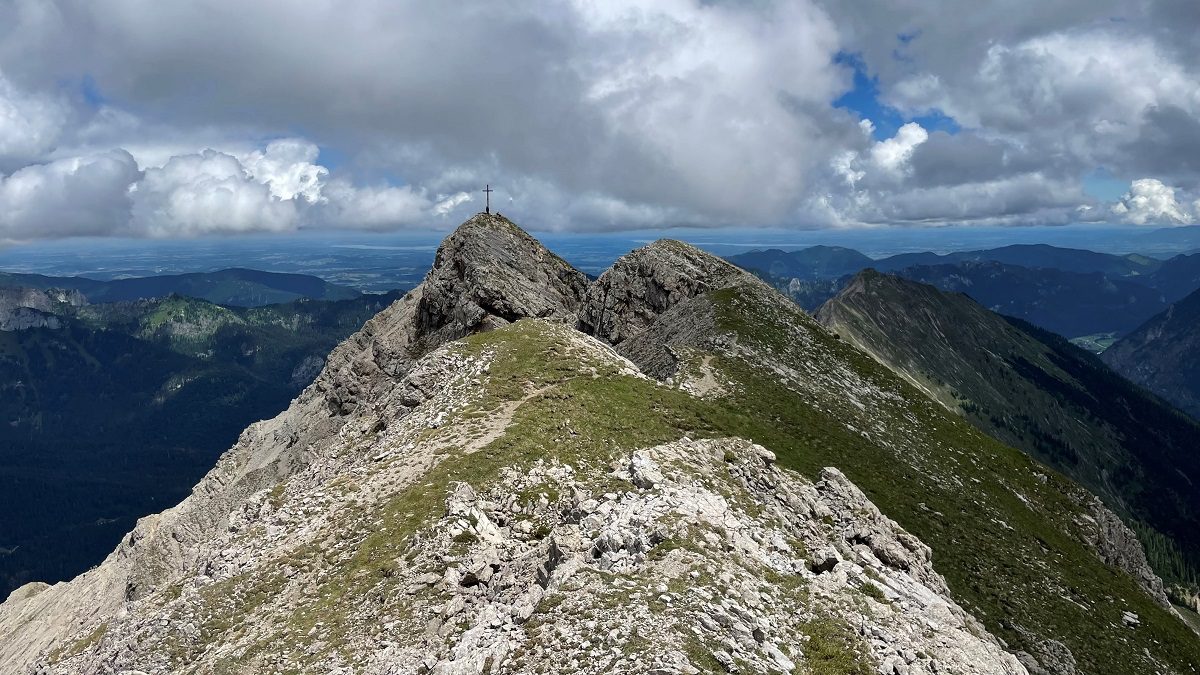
{"points": [[28, 308], [486, 274], [643, 284], [1118, 546], [491, 272], [25, 318]]}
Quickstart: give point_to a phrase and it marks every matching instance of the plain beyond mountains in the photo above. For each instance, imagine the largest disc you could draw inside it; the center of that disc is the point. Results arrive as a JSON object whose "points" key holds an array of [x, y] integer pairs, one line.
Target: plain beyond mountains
{"points": [[397, 261]]}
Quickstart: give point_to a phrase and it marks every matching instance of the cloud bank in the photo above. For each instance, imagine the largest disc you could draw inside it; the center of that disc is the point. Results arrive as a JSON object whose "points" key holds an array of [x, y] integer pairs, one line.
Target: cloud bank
{"points": [[139, 118]]}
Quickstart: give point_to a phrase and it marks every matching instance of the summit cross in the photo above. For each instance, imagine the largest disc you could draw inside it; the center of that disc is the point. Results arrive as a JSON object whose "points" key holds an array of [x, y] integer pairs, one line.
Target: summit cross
{"points": [[487, 193]]}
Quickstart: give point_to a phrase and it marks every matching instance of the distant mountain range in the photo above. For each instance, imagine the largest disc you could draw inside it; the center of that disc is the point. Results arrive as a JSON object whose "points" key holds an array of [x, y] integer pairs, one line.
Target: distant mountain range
{"points": [[239, 287], [111, 411], [1163, 355], [1032, 255], [809, 264], [1035, 391], [827, 262], [1072, 292], [1071, 304]]}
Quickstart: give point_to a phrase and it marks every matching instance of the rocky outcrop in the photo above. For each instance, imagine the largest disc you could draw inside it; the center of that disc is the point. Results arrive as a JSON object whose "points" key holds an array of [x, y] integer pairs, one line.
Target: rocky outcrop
{"points": [[25, 318], [643, 284], [491, 272], [27, 308], [1118, 546], [49, 300], [488, 273]]}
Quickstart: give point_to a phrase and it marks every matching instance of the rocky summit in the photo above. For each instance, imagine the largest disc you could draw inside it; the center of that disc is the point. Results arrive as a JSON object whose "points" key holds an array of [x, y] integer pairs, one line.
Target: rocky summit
{"points": [[669, 470]]}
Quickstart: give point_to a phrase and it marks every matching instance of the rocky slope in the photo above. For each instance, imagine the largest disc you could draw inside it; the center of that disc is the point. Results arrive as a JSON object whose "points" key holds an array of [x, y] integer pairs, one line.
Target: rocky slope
{"points": [[26, 308], [526, 499], [1038, 393], [629, 296], [1163, 355]]}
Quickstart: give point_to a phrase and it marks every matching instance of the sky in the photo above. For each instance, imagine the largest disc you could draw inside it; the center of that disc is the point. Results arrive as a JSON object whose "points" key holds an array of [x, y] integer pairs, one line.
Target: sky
{"points": [[142, 118]]}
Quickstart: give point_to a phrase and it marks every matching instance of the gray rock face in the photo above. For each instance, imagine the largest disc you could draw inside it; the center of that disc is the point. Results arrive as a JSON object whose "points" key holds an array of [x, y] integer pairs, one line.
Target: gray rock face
{"points": [[26, 308], [307, 370], [647, 282], [1119, 547], [25, 318], [486, 274], [46, 301], [489, 273]]}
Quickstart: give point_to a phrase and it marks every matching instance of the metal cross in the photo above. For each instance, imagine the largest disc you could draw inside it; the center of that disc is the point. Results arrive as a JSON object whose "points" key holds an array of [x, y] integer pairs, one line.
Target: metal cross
{"points": [[487, 192]]}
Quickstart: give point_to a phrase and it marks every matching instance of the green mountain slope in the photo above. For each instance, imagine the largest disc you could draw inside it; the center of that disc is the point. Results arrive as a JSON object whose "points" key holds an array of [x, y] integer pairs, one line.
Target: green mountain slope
{"points": [[1007, 532], [1163, 355], [117, 412], [1177, 277], [1035, 391]]}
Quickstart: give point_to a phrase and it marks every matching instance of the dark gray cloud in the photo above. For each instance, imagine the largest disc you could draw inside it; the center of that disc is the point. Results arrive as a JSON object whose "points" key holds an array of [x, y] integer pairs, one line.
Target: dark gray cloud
{"points": [[590, 115], [1168, 143]]}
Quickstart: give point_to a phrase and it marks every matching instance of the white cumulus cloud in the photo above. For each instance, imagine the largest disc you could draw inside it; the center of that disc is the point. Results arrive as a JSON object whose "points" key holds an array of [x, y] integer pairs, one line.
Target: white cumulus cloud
{"points": [[1150, 201], [892, 154], [382, 207], [70, 197], [206, 193], [30, 123], [287, 166]]}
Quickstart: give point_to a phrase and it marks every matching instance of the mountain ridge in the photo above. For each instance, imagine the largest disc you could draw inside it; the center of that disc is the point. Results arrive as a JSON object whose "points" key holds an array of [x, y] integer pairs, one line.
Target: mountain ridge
{"points": [[232, 286], [1160, 354], [1033, 390], [523, 471]]}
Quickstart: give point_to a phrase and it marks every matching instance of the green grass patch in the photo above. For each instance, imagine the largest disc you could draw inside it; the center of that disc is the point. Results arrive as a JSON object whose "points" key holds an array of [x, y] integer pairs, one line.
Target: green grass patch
{"points": [[833, 648]]}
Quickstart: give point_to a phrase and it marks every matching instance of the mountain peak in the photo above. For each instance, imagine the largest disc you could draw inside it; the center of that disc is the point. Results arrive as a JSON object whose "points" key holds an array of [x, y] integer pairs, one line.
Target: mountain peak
{"points": [[486, 274], [871, 280], [648, 281], [483, 221], [489, 272]]}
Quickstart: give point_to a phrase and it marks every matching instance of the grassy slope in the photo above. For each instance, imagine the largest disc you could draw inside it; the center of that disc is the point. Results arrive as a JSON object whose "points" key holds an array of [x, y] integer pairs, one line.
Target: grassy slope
{"points": [[1163, 354], [998, 522], [1035, 391]]}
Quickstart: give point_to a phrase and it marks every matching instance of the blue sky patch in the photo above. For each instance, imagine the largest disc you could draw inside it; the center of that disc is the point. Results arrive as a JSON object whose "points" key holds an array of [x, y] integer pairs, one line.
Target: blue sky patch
{"points": [[1104, 186], [863, 100]]}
